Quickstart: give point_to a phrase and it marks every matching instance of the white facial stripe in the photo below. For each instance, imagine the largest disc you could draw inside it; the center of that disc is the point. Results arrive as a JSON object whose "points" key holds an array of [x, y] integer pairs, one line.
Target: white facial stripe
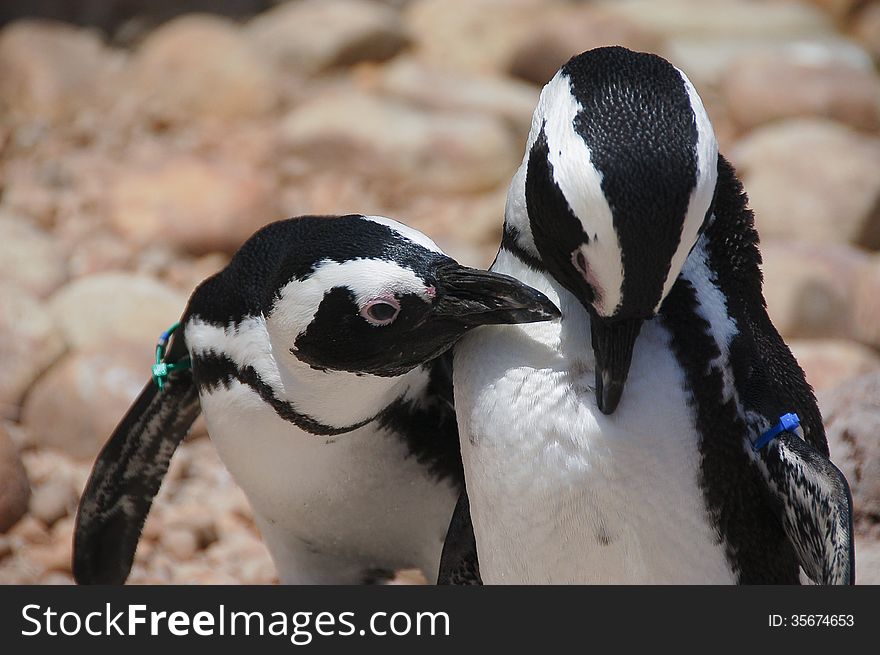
{"points": [[244, 343], [712, 307], [330, 397], [516, 213], [701, 196], [581, 183], [367, 279], [413, 235]]}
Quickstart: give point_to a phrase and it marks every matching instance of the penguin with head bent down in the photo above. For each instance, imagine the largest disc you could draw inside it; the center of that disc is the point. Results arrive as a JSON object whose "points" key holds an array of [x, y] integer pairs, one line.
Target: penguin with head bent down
{"points": [[320, 360], [649, 436]]}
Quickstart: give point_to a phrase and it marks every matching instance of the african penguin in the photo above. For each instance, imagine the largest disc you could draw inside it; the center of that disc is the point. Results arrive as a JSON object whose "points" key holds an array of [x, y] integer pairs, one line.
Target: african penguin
{"points": [[318, 359], [619, 445]]}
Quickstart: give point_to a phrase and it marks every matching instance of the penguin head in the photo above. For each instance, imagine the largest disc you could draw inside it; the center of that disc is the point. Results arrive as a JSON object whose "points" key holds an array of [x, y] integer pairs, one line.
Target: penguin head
{"points": [[615, 186], [368, 295]]}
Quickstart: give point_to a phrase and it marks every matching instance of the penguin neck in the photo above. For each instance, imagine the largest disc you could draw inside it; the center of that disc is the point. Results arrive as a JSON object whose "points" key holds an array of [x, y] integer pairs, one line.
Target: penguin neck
{"points": [[342, 398], [513, 262], [518, 255], [517, 238]]}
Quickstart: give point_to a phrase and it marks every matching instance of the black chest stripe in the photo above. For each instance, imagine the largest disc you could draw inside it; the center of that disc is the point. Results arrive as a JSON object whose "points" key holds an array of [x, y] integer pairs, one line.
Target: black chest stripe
{"points": [[427, 425], [510, 243], [212, 370]]}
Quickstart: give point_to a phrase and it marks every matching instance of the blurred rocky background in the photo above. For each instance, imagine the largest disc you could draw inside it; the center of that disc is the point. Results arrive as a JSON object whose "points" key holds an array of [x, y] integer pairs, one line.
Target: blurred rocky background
{"points": [[142, 141]]}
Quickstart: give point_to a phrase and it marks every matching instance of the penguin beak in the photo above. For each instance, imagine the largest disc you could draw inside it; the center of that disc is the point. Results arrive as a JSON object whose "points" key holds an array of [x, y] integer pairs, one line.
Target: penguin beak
{"points": [[474, 297], [613, 342]]}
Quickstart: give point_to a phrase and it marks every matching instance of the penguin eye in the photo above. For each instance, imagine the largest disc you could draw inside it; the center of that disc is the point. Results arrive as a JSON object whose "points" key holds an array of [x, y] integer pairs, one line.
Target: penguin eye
{"points": [[381, 311], [580, 262]]}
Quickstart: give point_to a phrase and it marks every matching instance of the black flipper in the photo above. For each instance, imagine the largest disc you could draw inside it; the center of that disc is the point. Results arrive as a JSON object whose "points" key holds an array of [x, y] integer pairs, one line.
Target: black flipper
{"points": [[458, 563], [814, 506], [127, 475], [808, 494]]}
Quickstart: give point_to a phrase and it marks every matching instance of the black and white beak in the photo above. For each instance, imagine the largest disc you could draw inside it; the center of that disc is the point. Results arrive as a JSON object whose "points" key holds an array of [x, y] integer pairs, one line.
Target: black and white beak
{"points": [[473, 297], [613, 342]]}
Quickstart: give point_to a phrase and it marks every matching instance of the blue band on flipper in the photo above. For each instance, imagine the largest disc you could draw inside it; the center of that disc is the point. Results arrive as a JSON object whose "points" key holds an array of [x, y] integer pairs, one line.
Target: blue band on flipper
{"points": [[787, 423]]}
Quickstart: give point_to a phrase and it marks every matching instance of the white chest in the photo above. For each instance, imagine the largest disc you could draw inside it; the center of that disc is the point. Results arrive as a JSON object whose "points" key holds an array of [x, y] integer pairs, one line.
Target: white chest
{"points": [[561, 493], [351, 501], [329, 508]]}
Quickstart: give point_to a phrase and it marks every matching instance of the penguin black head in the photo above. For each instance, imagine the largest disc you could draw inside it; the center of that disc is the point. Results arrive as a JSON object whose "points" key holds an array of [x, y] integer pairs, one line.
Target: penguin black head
{"points": [[616, 183], [395, 305], [362, 294]]}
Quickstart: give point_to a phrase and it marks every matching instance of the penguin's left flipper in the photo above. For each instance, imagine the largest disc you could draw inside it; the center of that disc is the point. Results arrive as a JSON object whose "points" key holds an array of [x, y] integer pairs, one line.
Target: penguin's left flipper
{"points": [[458, 562], [127, 475], [814, 507]]}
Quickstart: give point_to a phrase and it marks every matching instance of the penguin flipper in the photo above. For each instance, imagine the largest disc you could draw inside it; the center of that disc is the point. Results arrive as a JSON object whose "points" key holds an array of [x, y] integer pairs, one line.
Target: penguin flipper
{"points": [[125, 478], [458, 563], [814, 506]]}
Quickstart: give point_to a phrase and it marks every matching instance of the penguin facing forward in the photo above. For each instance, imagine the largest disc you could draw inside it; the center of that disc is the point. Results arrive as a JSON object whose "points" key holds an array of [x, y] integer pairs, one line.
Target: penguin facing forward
{"points": [[648, 436], [317, 358]]}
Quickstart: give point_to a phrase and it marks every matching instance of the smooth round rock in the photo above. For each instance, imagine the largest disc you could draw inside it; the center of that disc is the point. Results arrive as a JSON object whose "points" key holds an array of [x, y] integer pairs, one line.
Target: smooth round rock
{"points": [[721, 18], [311, 36], [15, 490], [30, 257], [432, 87], [77, 404], [53, 500], [851, 413], [29, 343], [770, 85], [392, 141], [479, 36], [866, 28], [570, 30], [867, 561], [867, 304], [95, 310], [830, 362], [811, 289], [200, 67], [812, 180], [191, 204], [51, 72]]}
